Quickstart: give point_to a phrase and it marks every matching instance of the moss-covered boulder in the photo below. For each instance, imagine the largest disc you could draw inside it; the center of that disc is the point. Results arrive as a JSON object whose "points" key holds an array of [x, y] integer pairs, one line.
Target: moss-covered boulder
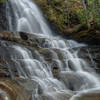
{"points": [[59, 13], [73, 18]]}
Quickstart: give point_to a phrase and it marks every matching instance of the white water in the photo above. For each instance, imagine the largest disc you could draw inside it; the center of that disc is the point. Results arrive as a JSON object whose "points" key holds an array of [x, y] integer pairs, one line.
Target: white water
{"points": [[28, 18]]}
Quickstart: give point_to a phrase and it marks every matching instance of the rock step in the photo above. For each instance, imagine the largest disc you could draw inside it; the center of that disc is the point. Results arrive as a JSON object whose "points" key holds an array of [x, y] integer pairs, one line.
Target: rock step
{"points": [[12, 90], [92, 94], [35, 40]]}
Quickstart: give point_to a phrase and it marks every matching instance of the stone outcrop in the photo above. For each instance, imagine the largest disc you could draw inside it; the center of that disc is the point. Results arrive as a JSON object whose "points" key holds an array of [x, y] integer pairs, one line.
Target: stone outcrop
{"points": [[90, 54], [38, 43], [11, 90]]}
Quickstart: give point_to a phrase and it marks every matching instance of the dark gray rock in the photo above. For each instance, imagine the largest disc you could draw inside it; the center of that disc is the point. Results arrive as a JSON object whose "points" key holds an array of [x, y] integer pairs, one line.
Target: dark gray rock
{"points": [[3, 17]]}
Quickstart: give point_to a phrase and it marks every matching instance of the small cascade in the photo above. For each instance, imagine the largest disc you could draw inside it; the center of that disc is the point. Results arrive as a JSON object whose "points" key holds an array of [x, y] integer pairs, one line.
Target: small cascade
{"points": [[58, 72], [55, 66], [35, 67], [25, 16]]}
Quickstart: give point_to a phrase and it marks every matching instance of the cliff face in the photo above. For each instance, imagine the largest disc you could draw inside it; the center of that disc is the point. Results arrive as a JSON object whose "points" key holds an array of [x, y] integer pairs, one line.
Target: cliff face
{"points": [[3, 16], [74, 18]]}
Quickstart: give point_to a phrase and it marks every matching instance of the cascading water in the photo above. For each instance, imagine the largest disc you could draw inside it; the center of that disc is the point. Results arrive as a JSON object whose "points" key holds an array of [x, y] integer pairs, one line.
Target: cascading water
{"points": [[28, 18]]}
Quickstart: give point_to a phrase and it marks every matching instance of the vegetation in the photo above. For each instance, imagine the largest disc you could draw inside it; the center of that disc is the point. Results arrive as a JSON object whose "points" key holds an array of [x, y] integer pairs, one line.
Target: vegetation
{"points": [[72, 16], [90, 12], [2, 1]]}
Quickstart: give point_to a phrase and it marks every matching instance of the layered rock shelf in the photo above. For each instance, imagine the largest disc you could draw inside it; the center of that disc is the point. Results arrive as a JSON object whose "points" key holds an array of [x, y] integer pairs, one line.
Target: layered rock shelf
{"points": [[13, 88]]}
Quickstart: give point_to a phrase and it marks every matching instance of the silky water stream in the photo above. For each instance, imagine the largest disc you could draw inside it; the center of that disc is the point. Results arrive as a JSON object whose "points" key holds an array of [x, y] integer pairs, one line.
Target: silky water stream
{"points": [[75, 75]]}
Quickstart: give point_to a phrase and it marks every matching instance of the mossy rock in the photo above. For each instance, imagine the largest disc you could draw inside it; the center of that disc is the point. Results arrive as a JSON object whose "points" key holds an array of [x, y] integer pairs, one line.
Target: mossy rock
{"points": [[69, 18], [59, 13]]}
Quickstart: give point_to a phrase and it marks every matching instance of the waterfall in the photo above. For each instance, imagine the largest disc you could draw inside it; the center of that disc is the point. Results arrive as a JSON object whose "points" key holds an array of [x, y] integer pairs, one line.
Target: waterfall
{"points": [[75, 71], [27, 17]]}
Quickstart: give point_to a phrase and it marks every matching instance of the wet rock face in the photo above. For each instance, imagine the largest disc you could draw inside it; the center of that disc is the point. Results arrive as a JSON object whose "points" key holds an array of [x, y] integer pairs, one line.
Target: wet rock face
{"points": [[36, 44], [5, 63], [90, 36], [51, 56], [91, 54], [57, 96], [3, 19], [11, 90], [88, 95], [23, 36]]}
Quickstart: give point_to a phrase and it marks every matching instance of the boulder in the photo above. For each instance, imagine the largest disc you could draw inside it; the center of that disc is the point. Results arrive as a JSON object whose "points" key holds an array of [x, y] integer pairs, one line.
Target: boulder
{"points": [[11, 90], [92, 94]]}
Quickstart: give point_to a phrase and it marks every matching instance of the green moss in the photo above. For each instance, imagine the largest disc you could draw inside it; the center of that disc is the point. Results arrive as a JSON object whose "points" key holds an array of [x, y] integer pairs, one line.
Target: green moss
{"points": [[3, 1], [69, 15]]}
